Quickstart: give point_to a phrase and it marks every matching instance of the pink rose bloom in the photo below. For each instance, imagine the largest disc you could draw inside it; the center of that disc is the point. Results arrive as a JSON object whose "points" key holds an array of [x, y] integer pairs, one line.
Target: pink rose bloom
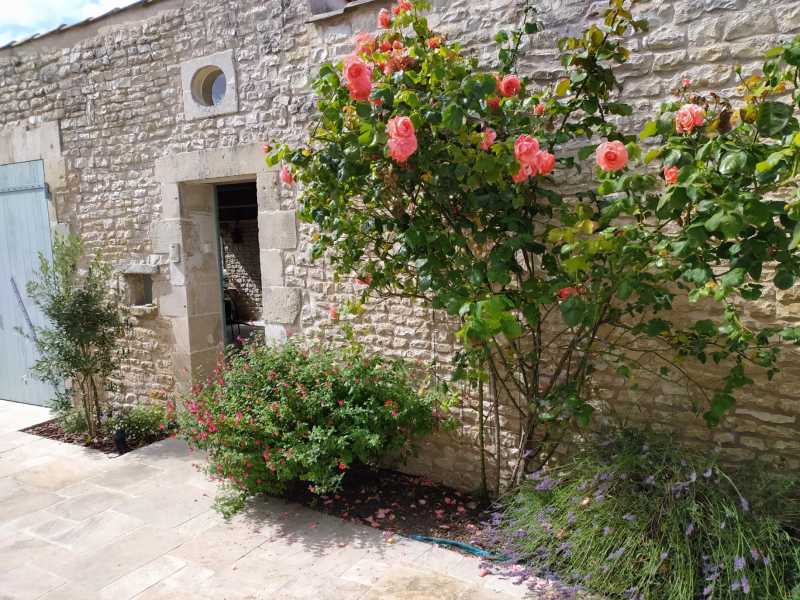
{"points": [[384, 19], [509, 86], [400, 149], [400, 127], [286, 175], [493, 103], [612, 156], [688, 117], [545, 162], [539, 109], [489, 136], [525, 149], [671, 175], [364, 43], [358, 76], [523, 174]]}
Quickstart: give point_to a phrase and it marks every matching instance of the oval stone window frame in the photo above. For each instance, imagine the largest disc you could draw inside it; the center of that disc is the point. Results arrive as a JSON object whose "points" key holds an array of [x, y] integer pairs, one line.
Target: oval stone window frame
{"points": [[209, 86]]}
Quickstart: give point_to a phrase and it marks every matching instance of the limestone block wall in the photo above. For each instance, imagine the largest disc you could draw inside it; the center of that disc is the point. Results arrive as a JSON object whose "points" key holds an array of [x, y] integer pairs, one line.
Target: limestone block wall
{"points": [[243, 266], [114, 89]]}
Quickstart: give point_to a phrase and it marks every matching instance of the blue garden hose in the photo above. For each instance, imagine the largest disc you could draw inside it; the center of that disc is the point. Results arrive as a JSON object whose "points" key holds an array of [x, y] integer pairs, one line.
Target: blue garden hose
{"points": [[468, 548]]}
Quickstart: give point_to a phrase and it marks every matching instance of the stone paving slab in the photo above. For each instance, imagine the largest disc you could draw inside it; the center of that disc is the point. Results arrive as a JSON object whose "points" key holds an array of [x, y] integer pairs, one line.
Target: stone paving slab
{"points": [[78, 524]]}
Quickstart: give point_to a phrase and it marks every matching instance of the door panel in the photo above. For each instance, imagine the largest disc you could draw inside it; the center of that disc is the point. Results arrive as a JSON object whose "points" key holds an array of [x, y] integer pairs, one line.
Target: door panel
{"points": [[24, 233]]}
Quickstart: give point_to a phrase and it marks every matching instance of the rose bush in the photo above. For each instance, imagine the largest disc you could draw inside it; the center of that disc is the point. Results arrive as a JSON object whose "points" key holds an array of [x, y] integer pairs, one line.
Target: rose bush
{"points": [[443, 185]]}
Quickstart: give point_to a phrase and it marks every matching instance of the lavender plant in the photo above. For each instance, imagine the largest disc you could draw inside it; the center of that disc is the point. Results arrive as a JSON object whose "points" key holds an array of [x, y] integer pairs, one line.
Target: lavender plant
{"points": [[635, 518]]}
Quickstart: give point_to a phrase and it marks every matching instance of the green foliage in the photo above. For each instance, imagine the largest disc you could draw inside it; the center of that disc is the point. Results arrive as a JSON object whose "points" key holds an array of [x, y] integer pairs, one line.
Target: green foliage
{"points": [[546, 283], [279, 415], [84, 322], [142, 424], [633, 517]]}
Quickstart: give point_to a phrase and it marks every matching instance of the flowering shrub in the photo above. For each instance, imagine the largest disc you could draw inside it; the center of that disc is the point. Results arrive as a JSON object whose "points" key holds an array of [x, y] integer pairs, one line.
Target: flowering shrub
{"points": [[438, 179], [278, 415], [633, 518]]}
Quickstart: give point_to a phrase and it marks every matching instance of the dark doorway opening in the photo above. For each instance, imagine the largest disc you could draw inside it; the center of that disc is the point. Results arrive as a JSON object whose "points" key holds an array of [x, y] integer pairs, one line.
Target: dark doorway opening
{"points": [[240, 258]]}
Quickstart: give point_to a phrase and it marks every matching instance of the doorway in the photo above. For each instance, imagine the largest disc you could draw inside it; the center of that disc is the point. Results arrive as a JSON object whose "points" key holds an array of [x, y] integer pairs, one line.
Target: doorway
{"points": [[240, 260]]}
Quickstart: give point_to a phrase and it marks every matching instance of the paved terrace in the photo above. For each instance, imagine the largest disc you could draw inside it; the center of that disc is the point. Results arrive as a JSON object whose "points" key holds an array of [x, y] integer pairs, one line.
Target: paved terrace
{"points": [[76, 524]]}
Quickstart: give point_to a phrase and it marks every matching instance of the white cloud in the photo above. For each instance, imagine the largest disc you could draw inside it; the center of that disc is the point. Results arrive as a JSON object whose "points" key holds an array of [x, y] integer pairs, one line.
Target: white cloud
{"points": [[22, 18]]}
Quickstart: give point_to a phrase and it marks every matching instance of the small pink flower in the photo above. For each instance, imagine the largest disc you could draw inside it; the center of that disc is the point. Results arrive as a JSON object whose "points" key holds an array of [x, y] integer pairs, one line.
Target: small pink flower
{"points": [[333, 312], [525, 149], [286, 175], [384, 19], [686, 82], [434, 42], [489, 136], [342, 466], [671, 175], [493, 103], [509, 86], [612, 156], [401, 7], [365, 43], [539, 109], [688, 117], [545, 162]]}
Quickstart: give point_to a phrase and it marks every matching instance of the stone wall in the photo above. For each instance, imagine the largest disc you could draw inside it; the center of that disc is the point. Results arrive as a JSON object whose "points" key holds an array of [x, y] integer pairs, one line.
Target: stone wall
{"points": [[242, 263], [115, 87]]}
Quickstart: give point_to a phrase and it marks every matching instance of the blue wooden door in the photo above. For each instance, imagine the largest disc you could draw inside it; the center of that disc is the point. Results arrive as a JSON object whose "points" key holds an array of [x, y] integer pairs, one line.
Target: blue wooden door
{"points": [[24, 233]]}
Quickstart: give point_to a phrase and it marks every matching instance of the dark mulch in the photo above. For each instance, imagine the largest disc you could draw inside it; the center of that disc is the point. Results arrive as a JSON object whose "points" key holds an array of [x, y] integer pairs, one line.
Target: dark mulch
{"points": [[400, 503], [54, 431]]}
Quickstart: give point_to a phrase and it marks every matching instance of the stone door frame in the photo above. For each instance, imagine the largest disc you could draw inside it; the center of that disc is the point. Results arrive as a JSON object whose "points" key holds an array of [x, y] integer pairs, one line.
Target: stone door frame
{"points": [[186, 237]]}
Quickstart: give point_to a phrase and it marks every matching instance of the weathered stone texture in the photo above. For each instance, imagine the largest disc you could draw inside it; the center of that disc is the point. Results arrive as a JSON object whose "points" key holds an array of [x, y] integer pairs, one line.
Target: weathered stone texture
{"points": [[118, 96]]}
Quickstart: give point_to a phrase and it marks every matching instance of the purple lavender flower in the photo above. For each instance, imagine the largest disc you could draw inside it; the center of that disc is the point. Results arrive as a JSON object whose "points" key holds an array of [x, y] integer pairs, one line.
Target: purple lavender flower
{"points": [[616, 554], [689, 529], [707, 473], [745, 585], [708, 590], [547, 484], [765, 560], [739, 563], [744, 503], [570, 518], [630, 517], [607, 530], [664, 555], [650, 480], [722, 525], [755, 553], [736, 586]]}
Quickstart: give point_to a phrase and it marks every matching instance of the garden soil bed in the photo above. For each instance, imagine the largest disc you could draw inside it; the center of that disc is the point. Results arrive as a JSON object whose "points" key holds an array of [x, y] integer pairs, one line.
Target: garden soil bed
{"points": [[399, 503], [54, 431]]}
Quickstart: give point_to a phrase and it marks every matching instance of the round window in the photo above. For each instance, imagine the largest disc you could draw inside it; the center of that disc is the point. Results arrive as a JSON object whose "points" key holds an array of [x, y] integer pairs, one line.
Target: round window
{"points": [[208, 86]]}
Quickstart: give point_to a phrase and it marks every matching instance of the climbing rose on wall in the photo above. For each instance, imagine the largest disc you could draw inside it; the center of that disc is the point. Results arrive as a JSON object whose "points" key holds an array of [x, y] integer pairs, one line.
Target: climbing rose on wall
{"points": [[478, 226]]}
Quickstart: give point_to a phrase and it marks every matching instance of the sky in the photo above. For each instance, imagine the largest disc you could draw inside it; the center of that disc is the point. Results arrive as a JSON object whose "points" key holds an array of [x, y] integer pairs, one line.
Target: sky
{"points": [[22, 18]]}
